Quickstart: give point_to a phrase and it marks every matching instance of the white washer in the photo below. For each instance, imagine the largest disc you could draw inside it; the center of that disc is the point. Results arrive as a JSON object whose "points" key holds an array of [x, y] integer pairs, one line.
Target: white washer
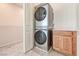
{"points": [[43, 39]]}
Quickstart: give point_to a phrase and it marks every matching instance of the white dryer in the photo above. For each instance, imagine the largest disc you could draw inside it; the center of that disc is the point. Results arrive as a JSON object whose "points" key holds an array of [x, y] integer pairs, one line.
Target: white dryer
{"points": [[43, 15]]}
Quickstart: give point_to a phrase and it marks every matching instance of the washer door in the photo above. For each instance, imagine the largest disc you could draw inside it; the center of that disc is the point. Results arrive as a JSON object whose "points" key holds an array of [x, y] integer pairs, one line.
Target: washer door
{"points": [[40, 14], [40, 37]]}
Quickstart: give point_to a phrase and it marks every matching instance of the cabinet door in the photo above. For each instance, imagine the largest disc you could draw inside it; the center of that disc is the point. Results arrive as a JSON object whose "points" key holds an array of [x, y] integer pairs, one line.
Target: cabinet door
{"points": [[67, 45], [57, 43]]}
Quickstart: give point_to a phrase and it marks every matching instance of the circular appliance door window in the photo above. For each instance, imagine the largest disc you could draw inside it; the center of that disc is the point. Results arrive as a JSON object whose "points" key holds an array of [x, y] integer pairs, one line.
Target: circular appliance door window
{"points": [[40, 14], [40, 37]]}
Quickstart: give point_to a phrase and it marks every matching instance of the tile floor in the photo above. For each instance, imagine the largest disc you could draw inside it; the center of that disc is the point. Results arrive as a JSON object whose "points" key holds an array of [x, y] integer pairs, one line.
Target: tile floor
{"points": [[16, 50]]}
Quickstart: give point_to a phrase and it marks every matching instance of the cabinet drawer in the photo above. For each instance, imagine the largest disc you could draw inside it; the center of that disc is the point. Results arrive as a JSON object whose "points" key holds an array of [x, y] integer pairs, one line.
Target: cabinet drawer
{"points": [[62, 33]]}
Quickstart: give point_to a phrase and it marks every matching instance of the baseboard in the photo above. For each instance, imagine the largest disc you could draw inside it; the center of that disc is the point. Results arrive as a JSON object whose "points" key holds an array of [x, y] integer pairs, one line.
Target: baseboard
{"points": [[9, 44]]}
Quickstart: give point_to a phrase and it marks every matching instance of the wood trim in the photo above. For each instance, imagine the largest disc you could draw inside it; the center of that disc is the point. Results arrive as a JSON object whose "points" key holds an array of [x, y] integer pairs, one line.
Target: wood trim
{"points": [[74, 45], [68, 33]]}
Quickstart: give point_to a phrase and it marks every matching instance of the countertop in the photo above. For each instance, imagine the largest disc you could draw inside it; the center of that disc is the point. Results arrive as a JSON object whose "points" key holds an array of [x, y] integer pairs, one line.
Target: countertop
{"points": [[65, 30]]}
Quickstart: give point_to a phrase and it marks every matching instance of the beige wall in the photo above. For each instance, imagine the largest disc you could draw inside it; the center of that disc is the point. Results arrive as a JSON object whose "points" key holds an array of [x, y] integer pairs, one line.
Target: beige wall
{"points": [[11, 17], [64, 16]]}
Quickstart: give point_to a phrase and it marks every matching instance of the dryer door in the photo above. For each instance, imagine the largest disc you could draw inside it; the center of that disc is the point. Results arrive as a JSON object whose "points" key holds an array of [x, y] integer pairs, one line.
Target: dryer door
{"points": [[40, 14], [40, 37]]}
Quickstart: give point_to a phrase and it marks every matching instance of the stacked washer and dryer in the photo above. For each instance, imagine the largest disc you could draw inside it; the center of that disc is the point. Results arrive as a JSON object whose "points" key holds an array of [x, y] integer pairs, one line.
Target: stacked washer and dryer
{"points": [[43, 26]]}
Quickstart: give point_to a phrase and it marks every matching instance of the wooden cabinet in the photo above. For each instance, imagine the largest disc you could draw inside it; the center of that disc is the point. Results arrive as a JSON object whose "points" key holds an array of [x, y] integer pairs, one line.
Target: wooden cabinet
{"points": [[57, 43], [67, 45], [64, 42]]}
